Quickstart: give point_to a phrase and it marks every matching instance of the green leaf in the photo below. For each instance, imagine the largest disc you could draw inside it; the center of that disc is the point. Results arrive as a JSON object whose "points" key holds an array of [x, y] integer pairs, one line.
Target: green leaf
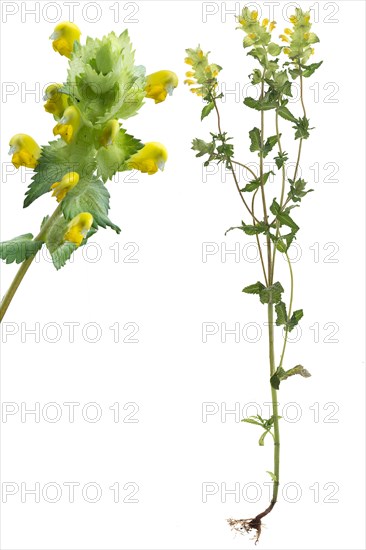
{"points": [[277, 377], [274, 49], [281, 159], [281, 314], [57, 159], [250, 229], [254, 184], [62, 253], [271, 294], [19, 249], [297, 190], [259, 105], [112, 158], [285, 219], [262, 438], [203, 147], [281, 375], [285, 113], [207, 109], [270, 143], [274, 478], [302, 128], [275, 207], [310, 69], [256, 288], [89, 195], [255, 138], [295, 318]]}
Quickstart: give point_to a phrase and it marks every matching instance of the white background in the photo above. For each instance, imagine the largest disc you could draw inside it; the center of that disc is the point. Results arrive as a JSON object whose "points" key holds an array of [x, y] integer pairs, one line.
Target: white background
{"points": [[170, 452]]}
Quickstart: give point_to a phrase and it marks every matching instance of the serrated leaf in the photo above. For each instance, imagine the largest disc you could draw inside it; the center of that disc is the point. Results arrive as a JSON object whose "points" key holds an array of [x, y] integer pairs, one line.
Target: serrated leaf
{"points": [[57, 159], [255, 139], [281, 314], [281, 159], [310, 69], [62, 253], [19, 249], [271, 294], [89, 195], [295, 318], [297, 190], [259, 105], [203, 147], [111, 159], [256, 288], [254, 184], [250, 229], [207, 109], [302, 128], [269, 144], [285, 113]]}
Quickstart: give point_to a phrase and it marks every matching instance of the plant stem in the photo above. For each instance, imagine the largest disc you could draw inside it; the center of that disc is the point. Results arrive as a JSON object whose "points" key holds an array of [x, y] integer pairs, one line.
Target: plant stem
{"points": [[289, 307], [9, 295], [276, 428]]}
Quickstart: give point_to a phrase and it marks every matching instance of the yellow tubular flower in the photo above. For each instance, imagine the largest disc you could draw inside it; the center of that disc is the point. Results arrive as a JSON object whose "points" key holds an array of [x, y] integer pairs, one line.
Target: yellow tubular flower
{"points": [[56, 102], [61, 188], [151, 158], [265, 22], [190, 82], [68, 125], [293, 19], [188, 61], [288, 32], [160, 84], [78, 228], [25, 151], [190, 74], [64, 37], [254, 15], [286, 51], [110, 132], [284, 38], [272, 25]]}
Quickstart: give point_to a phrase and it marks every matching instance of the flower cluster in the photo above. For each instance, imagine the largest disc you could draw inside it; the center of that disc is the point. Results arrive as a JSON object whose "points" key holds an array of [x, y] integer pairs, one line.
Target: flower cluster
{"points": [[257, 33], [104, 86], [202, 75], [299, 38]]}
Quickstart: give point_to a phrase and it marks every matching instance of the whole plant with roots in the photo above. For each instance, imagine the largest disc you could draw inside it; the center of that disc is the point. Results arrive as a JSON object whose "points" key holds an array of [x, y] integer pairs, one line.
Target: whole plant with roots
{"points": [[103, 87], [279, 66]]}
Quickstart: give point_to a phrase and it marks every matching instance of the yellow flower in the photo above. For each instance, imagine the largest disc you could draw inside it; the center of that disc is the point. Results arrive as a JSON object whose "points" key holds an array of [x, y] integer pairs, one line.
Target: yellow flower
{"points": [[189, 82], [188, 61], [78, 228], [190, 74], [293, 19], [284, 38], [61, 188], [306, 36], [160, 84], [265, 22], [312, 51], [288, 31], [68, 125], [272, 25], [197, 91], [254, 15], [307, 18], [252, 36], [56, 101], [149, 159], [286, 51], [64, 37], [109, 133], [25, 151]]}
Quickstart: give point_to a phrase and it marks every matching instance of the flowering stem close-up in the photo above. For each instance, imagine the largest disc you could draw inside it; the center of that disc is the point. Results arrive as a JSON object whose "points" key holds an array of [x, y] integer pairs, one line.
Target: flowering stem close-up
{"points": [[104, 86], [279, 67]]}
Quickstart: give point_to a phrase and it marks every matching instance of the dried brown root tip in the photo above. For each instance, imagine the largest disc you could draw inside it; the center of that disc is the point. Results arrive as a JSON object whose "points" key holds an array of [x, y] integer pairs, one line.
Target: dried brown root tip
{"points": [[247, 525]]}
